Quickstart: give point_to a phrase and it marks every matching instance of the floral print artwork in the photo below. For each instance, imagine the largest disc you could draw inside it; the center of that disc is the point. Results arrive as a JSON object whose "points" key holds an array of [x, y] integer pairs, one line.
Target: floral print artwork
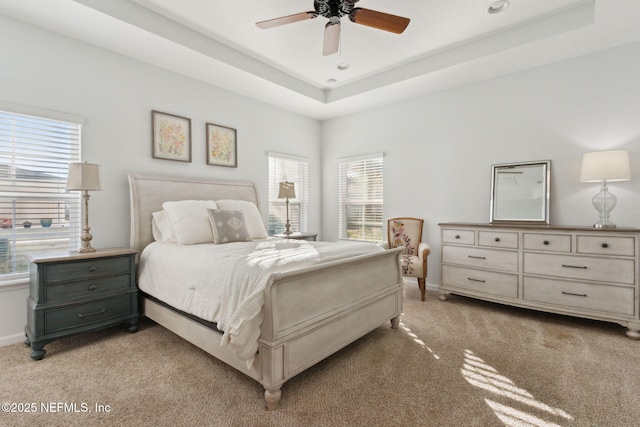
{"points": [[171, 137], [221, 146]]}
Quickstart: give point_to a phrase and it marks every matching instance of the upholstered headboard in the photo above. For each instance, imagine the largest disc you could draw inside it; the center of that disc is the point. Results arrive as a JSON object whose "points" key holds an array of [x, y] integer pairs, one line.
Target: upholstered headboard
{"points": [[149, 192]]}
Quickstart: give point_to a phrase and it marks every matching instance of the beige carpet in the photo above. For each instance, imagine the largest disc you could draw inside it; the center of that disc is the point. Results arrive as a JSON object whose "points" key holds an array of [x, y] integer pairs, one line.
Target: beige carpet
{"points": [[456, 363]]}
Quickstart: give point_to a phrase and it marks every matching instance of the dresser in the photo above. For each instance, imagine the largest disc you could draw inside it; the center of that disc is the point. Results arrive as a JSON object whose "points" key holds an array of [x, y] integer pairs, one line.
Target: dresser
{"points": [[79, 292], [577, 271]]}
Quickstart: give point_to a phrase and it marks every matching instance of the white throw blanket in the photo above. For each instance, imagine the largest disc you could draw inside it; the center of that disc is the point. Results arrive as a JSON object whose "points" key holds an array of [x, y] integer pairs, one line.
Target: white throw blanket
{"points": [[225, 283]]}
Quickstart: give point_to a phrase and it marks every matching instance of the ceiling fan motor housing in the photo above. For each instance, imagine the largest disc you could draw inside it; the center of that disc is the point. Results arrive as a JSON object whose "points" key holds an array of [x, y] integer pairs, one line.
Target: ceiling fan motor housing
{"points": [[334, 8]]}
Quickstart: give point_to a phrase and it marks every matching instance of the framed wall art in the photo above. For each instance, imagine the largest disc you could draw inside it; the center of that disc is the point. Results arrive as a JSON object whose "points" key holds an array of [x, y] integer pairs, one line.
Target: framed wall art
{"points": [[222, 148], [171, 137]]}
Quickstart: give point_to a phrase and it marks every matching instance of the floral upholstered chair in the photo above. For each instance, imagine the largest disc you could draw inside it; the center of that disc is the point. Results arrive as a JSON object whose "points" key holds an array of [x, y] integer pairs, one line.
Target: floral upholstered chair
{"points": [[407, 233]]}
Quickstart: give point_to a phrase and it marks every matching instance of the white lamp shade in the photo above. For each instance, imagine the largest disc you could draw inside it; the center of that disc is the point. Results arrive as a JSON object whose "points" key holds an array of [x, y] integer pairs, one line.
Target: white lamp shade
{"points": [[84, 176], [605, 165], [287, 190]]}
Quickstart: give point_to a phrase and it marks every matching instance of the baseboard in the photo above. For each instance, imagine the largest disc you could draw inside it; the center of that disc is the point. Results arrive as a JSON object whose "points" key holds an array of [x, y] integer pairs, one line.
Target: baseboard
{"points": [[11, 339]]}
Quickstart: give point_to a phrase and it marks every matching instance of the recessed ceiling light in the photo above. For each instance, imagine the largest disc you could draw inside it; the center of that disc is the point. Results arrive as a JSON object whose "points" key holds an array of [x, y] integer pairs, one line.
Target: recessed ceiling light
{"points": [[498, 6], [343, 66]]}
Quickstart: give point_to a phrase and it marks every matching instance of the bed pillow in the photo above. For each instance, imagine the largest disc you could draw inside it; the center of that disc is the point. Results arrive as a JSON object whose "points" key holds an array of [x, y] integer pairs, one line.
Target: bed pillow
{"points": [[161, 227], [251, 214], [190, 220], [228, 226]]}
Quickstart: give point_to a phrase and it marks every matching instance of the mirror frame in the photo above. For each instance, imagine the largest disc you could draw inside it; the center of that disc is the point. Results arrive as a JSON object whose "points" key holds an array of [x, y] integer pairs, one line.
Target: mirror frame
{"points": [[545, 176]]}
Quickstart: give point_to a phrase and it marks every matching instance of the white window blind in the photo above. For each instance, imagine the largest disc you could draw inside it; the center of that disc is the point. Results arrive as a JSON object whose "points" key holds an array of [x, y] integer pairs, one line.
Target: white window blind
{"points": [[283, 167], [360, 198], [37, 214]]}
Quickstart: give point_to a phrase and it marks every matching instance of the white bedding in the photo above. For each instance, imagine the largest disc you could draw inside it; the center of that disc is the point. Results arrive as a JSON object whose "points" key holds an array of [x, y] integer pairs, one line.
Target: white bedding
{"points": [[224, 283]]}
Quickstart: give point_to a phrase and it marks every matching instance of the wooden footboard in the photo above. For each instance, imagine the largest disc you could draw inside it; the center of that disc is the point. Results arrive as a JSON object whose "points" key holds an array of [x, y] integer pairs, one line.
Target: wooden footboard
{"points": [[312, 313]]}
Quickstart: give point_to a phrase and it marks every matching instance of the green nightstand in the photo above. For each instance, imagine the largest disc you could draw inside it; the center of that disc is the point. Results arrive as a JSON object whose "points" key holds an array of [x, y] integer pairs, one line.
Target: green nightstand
{"points": [[79, 292]]}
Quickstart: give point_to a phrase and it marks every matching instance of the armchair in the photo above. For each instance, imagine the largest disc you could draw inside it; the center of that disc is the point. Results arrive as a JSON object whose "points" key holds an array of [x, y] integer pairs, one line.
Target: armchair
{"points": [[407, 232]]}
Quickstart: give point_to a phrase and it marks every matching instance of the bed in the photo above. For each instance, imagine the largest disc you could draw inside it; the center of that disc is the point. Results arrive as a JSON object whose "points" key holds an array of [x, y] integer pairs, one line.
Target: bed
{"points": [[307, 313]]}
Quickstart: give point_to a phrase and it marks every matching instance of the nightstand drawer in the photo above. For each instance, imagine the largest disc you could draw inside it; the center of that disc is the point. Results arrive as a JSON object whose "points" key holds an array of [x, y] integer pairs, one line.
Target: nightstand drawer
{"points": [[61, 319], [87, 269], [65, 291]]}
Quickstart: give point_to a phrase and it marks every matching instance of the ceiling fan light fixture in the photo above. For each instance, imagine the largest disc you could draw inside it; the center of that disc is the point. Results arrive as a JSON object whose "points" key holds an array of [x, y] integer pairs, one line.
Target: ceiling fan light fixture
{"points": [[498, 6]]}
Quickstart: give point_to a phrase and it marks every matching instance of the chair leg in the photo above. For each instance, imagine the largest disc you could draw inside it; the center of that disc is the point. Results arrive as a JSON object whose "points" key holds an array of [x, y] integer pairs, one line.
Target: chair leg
{"points": [[422, 287]]}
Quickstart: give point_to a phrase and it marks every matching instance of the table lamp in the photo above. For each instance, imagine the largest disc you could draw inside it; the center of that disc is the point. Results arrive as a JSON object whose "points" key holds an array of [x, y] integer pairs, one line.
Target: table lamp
{"points": [[85, 177]]}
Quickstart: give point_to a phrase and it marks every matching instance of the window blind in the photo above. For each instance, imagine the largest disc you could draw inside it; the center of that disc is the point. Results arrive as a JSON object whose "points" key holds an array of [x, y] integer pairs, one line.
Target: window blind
{"points": [[360, 203], [37, 214], [284, 167]]}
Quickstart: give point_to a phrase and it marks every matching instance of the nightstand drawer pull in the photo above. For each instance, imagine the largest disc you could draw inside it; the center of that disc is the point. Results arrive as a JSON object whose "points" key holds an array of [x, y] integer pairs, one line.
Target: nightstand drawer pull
{"points": [[92, 314], [572, 294], [476, 257], [476, 280], [574, 266], [92, 287], [92, 269]]}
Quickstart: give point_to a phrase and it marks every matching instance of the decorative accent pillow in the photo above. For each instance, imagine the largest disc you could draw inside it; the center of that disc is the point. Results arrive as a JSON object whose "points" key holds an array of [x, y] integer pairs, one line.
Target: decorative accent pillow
{"points": [[161, 227], [190, 220], [255, 225], [228, 226]]}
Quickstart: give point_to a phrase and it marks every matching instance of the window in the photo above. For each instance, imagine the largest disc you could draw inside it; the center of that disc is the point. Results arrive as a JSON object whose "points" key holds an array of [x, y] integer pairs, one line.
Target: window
{"points": [[283, 167], [360, 198], [37, 213]]}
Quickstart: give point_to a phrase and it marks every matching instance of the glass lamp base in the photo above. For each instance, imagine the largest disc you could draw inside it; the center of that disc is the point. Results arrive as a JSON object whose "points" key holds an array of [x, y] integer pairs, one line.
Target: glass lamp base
{"points": [[604, 202]]}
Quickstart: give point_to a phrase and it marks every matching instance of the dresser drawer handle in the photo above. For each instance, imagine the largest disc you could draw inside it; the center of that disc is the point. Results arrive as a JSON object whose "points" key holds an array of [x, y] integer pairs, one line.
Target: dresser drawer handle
{"points": [[92, 314], [572, 294], [546, 242], [476, 280], [574, 266], [476, 257], [92, 287], [457, 236], [92, 269], [604, 245], [497, 239]]}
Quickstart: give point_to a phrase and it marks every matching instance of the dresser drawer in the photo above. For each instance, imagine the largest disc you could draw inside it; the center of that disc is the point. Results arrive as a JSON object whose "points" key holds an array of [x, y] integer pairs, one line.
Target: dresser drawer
{"points": [[481, 281], [581, 267], [587, 296], [547, 242], [478, 257], [64, 291], [463, 237], [498, 239], [606, 245], [87, 269], [60, 319]]}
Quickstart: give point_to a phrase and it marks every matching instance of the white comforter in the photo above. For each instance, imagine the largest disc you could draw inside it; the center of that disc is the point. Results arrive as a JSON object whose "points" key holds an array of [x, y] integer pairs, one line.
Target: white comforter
{"points": [[225, 283]]}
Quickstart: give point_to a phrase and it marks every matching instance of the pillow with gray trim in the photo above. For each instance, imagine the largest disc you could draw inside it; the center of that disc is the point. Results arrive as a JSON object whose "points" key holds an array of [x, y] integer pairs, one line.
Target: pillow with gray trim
{"points": [[228, 226]]}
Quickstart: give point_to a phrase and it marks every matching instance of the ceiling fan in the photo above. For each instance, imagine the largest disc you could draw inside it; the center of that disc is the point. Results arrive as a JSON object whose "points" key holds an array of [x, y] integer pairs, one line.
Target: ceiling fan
{"points": [[336, 9]]}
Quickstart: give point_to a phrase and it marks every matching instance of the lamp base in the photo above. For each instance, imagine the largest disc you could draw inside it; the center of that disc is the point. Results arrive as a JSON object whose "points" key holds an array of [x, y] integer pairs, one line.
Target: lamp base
{"points": [[604, 202], [601, 225]]}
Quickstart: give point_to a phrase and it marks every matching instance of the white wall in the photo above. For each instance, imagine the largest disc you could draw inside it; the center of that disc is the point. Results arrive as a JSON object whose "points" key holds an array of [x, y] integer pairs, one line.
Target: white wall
{"points": [[115, 95], [439, 148]]}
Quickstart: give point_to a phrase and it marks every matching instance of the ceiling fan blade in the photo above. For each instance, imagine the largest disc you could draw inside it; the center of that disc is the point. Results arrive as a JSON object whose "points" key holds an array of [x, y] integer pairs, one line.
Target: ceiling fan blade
{"points": [[289, 19], [382, 21], [331, 38]]}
